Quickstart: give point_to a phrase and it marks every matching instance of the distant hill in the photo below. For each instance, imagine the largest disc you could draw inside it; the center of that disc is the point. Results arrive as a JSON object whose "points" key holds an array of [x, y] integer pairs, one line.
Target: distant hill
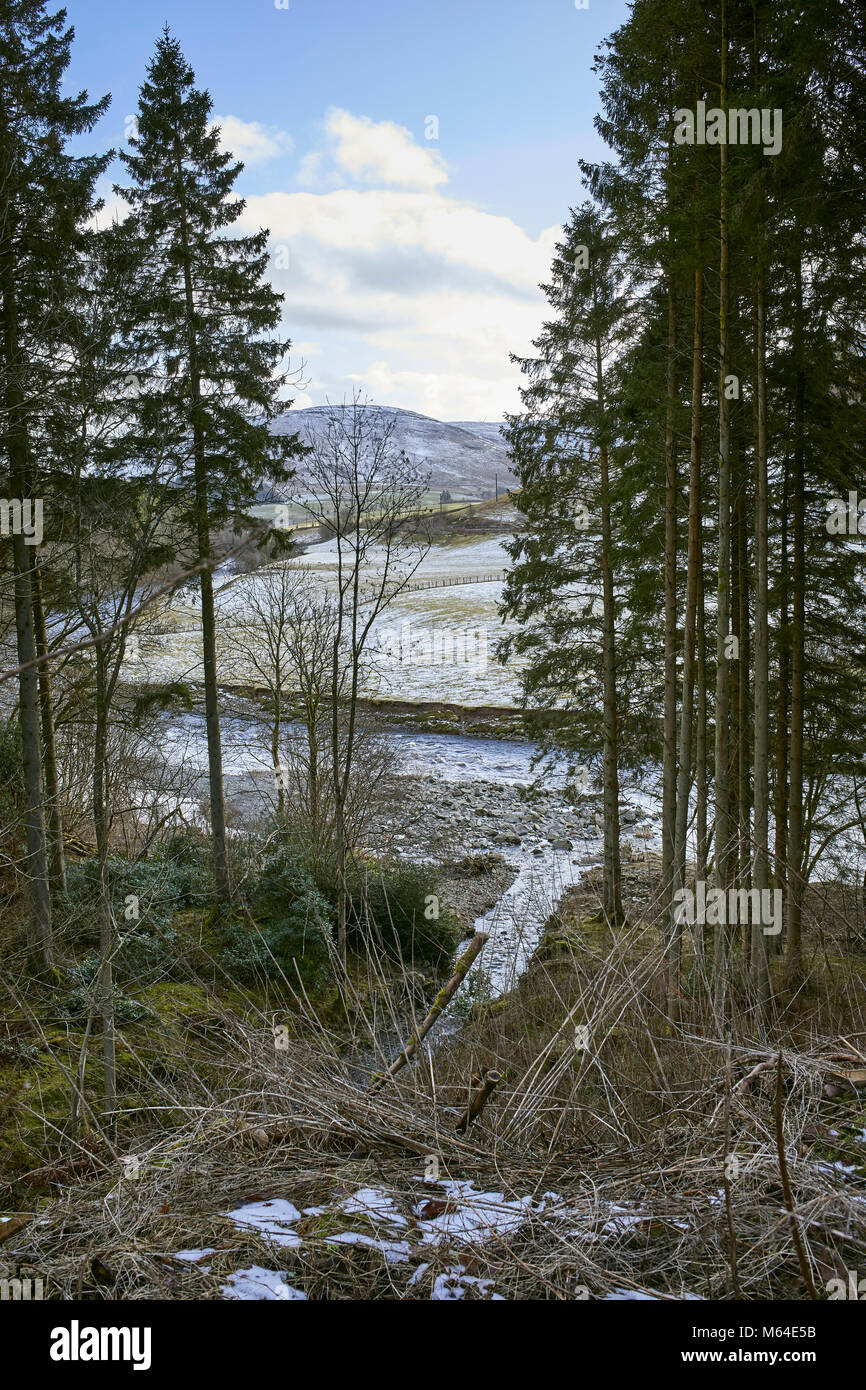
{"points": [[485, 429], [464, 459]]}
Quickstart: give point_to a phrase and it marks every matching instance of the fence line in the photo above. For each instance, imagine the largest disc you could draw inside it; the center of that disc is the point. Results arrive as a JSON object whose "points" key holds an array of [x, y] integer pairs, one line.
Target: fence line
{"points": [[447, 583]]}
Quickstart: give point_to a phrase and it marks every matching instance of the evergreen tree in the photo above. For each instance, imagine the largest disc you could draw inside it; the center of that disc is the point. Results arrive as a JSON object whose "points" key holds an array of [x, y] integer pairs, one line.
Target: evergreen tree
{"points": [[563, 584], [46, 194], [205, 334]]}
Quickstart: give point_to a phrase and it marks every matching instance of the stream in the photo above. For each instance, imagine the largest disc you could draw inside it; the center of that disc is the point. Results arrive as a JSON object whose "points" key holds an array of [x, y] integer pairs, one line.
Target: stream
{"points": [[473, 789]]}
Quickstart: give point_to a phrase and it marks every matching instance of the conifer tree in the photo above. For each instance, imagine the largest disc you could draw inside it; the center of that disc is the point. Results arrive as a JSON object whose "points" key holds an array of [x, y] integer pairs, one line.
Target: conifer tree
{"points": [[206, 333], [46, 194], [564, 583]]}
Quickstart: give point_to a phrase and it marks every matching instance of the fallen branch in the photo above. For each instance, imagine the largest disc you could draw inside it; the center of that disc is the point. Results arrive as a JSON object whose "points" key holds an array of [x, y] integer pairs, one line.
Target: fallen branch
{"points": [[442, 998], [743, 1086]]}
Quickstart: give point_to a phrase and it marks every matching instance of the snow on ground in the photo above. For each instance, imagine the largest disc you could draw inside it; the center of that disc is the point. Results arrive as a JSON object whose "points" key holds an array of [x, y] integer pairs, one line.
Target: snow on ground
{"points": [[430, 644], [258, 1283], [372, 1202], [455, 1281], [395, 1251], [448, 1213], [273, 1220], [454, 559]]}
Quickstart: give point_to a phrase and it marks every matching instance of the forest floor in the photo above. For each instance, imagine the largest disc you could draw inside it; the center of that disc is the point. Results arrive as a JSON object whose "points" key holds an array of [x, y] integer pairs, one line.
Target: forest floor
{"points": [[612, 1160]]}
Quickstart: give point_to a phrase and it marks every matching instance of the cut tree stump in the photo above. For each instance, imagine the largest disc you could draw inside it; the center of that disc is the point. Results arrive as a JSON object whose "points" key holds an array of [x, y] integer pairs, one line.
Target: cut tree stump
{"points": [[490, 1081]]}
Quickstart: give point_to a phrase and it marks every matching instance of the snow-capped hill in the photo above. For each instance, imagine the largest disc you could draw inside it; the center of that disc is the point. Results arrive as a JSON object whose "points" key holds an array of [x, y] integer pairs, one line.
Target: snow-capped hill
{"points": [[485, 429], [459, 459]]}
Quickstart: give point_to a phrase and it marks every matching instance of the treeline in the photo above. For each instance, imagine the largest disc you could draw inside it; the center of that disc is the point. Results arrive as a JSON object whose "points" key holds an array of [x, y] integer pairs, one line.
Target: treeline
{"points": [[140, 369], [689, 581]]}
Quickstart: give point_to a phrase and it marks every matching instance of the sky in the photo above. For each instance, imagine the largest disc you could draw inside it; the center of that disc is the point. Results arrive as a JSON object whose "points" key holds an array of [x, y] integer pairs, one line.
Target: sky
{"points": [[413, 161]]}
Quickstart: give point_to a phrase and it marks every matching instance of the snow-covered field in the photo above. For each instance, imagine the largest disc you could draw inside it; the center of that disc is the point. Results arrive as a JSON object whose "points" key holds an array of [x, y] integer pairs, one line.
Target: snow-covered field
{"points": [[430, 644]]}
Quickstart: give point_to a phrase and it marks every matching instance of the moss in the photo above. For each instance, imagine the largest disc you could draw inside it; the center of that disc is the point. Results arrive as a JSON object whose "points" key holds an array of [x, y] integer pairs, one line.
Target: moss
{"points": [[173, 1002], [31, 1089]]}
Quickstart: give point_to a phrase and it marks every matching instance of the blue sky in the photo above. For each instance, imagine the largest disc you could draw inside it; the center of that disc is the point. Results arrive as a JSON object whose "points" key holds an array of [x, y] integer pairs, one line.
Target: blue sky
{"points": [[409, 263]]}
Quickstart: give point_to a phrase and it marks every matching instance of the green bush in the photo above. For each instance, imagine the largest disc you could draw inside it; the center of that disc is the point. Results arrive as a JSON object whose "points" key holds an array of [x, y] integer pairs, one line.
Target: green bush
{"points": [[149, 943], [399, 906], [83, 994], [294, 922]]}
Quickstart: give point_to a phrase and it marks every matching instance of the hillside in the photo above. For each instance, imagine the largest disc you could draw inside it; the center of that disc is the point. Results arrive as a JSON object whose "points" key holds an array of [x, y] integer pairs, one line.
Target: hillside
{"points": [[485, 429], [461, 459]]}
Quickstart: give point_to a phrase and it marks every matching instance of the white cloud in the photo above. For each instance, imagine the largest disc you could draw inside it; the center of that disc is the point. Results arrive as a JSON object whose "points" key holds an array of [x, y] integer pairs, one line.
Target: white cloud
{"points": [[252, 142], [414, 295], [114, 209], [420, 297], [372, 152]]}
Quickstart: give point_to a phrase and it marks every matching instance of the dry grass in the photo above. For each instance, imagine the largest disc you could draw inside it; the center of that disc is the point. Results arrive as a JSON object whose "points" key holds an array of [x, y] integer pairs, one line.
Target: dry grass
{"points": [[658, 1143]]}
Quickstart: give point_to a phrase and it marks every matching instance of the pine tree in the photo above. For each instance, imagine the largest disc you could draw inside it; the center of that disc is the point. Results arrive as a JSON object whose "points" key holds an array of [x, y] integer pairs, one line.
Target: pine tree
{"points": [[563, 587], [45, 196], [206, 331]]}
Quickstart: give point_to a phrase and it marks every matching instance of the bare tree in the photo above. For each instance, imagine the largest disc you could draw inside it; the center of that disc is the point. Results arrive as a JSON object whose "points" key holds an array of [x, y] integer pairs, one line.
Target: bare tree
{"points": [[367, 494], [285, 642]]}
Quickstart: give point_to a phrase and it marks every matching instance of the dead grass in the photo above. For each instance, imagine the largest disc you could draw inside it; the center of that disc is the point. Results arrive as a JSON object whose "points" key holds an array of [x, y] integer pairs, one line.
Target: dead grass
{"points": [[658, 1143]]}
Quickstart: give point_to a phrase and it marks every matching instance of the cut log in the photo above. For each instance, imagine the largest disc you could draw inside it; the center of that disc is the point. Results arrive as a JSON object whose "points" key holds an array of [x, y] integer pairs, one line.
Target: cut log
{"points": [[490, 1081]]}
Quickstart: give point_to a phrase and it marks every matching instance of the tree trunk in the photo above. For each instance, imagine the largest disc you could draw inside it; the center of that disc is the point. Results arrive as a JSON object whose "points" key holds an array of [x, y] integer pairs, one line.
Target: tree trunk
{"points": [[339, 810], [669, 763], [701, 779], [684, 752], [743, 667], [612, 875], [793, 952], [106, 916], [780, 804], [49, 743], [761, 863], [612, 894], [40, 944], [723, 835], [205, 555]]}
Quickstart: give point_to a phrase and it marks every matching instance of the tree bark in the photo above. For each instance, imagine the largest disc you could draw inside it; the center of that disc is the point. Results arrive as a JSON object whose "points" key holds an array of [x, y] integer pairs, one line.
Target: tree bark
{"points": [[723, 836], [684, 751], [106, 916], [761, 863], [612, 894], [49, 742], [793, 951], [40, 944], [669, 763], [780, 803], [205, 554]]}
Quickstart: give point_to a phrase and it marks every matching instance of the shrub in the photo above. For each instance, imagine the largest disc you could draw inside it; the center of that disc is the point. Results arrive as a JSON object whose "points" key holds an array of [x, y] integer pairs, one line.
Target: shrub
{"points": [[294, 921], [399, 906], [83, 995], [148, 945]]}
